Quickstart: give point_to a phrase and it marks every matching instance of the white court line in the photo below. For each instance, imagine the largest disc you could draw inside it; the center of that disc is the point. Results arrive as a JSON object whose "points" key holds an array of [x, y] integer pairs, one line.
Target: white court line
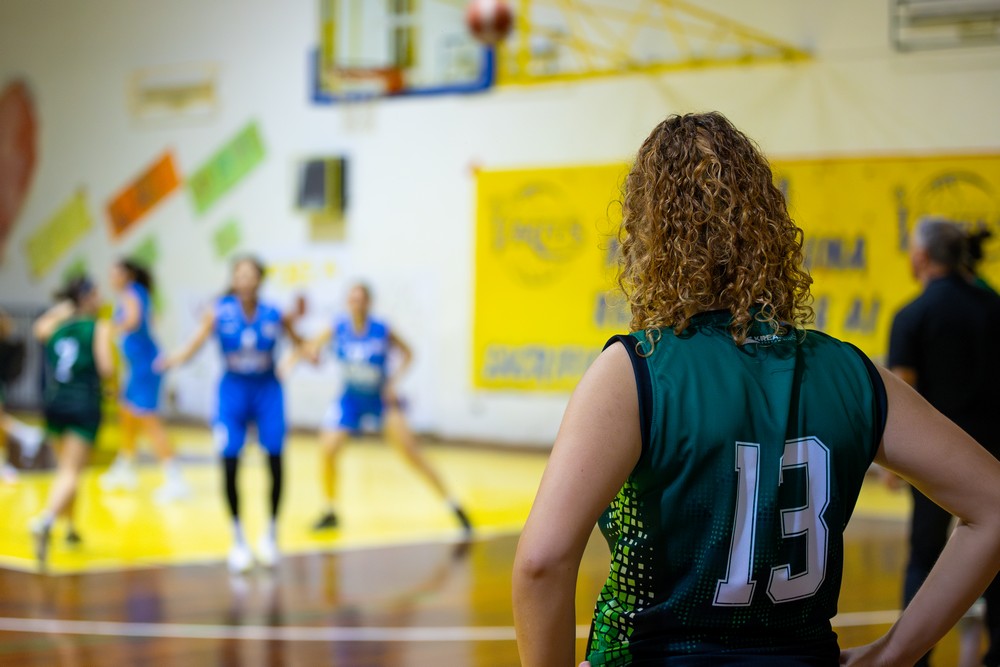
{"points": [[327, 634]]}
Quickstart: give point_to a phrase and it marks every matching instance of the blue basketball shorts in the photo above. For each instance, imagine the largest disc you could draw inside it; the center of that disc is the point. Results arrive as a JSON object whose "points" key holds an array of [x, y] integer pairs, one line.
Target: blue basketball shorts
{"points": [[142, 390], [249, 398], [354, 410]]}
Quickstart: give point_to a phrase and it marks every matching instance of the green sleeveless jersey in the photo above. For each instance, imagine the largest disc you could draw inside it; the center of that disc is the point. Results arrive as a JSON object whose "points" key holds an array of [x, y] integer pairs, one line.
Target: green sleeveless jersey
{"points": [[726, 539], [72, 382]]}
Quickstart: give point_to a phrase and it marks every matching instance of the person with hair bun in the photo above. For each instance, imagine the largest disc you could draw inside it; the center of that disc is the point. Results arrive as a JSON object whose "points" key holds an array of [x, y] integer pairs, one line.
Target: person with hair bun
{"points": [[248, 330], [943, 344], [139, 403], [722, 447], [77, 356]]}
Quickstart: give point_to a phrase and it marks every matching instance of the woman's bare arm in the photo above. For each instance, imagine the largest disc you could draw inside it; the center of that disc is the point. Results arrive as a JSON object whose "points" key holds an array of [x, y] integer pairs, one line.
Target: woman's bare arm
{"points": [[103, 357], [46, 325], [183, 355], [937, 457], [597, 447], [131, 313]]}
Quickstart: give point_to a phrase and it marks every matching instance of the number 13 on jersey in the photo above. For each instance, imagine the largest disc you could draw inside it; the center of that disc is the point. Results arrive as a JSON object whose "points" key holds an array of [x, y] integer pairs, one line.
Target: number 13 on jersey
{"points": [[737, 588]]}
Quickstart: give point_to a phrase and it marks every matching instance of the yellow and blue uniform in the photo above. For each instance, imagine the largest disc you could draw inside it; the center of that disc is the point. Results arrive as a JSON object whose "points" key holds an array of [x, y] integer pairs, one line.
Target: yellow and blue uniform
{"points": [[727, 537], [139, 350], [364, 359], [249, 390]]}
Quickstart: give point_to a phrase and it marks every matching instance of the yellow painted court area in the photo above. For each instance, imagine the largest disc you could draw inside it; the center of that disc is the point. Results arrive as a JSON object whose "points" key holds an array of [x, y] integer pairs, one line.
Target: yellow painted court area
{"points": [[382, 502]]}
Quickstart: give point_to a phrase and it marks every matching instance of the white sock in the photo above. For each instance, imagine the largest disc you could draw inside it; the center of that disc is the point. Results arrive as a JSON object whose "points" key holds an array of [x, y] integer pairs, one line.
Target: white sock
{"points": [[22, 431], [46, 519], [272, 530], [238, 532], [172, 470]]}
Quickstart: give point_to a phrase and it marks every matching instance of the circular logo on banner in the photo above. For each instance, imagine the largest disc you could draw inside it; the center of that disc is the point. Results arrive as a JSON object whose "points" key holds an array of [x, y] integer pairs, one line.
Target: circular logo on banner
{"points": [[535, 233]]}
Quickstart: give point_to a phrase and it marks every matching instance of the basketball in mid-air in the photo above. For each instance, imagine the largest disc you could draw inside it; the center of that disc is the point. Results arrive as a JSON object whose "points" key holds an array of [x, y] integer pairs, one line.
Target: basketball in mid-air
{"points": [[489, 21]]}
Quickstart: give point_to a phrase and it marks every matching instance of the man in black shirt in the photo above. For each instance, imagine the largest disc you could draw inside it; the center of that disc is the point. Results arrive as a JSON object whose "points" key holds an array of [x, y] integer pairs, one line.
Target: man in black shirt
{"points": [[946, 343]]}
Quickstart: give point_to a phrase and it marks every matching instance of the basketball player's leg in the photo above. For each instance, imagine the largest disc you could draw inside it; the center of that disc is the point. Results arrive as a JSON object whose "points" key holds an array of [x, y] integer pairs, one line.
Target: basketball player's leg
{"points": [[341, 419], [122, 473], [269, 414], [230, 430], [331, 443], [69, 516], [401, 437], [174, 486], [7, 472], [73, 452]]}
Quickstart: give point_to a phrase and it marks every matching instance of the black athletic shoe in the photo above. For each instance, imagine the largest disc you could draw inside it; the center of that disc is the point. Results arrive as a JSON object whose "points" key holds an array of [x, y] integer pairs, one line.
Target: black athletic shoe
{"points": [[73, 538], [326, 522], [463, 519]]}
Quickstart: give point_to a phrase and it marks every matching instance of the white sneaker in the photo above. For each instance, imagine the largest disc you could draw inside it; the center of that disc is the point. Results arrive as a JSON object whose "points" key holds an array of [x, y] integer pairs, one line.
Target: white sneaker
{"points": [[121, 475], [173, 488], [8, 474], [240, 559], [31, 440], [267, 552]]}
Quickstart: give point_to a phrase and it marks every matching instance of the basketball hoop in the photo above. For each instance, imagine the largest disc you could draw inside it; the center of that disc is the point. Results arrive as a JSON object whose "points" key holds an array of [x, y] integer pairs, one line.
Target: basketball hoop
{"points": [[350, 84]]}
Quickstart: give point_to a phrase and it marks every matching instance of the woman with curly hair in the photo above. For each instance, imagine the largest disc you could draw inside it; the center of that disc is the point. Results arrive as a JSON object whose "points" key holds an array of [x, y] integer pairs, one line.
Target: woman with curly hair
{"points": [[722, 447]]}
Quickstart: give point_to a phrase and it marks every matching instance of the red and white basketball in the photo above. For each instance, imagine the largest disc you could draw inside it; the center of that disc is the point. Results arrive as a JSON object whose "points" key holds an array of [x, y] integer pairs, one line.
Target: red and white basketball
{"points": [[489, 20]]}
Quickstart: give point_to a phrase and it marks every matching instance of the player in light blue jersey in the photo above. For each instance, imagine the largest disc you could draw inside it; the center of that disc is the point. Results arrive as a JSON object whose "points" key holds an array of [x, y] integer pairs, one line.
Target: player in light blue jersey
{"points": [[362, 345], [140, 400], [248, 331]]}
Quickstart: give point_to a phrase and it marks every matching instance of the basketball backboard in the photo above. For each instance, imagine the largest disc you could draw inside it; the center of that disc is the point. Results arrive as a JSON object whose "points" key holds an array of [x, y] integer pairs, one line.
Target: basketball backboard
{"points": [[385, 48]]}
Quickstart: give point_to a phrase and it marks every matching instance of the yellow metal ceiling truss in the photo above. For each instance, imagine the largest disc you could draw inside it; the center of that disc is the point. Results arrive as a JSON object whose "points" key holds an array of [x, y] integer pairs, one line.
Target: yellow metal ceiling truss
{"points": [[570, 40]]}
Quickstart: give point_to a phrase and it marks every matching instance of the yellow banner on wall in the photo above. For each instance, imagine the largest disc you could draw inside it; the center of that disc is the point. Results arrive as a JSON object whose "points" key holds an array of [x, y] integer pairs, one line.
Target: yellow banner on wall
{"points": [[545, 273]]}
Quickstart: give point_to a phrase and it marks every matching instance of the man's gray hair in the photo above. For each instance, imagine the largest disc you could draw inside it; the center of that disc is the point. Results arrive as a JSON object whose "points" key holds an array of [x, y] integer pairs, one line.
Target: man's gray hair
{"points": [[945, 242]]}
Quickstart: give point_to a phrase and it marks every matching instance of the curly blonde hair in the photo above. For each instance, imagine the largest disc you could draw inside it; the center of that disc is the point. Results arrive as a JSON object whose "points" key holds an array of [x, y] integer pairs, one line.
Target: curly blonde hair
{"points": [[704, 227]]}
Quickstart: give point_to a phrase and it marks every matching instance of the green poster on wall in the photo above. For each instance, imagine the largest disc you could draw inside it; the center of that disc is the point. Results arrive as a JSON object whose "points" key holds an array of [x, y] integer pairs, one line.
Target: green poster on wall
{"points": [[147, 252], [227, 238], [227, 167], [54, 239]]}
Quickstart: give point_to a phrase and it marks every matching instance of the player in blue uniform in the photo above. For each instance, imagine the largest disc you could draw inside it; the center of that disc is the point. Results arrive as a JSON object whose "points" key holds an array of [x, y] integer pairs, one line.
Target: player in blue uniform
{"points": [[362, 345], [725, 447], [248, 331], [140, 401]]}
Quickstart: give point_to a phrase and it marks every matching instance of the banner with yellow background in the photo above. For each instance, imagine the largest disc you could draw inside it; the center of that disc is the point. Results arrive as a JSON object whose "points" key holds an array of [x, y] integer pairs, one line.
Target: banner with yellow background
{"points": [[546, 300]]}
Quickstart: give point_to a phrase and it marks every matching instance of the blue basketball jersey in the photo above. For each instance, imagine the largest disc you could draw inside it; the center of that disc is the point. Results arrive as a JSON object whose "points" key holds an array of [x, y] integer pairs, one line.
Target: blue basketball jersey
{"points": [[363, 356], [247, 345], [138, 346]]}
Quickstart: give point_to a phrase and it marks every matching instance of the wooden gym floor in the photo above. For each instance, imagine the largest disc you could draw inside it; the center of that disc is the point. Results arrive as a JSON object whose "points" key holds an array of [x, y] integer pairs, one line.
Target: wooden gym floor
{"points": [[395, 586]]}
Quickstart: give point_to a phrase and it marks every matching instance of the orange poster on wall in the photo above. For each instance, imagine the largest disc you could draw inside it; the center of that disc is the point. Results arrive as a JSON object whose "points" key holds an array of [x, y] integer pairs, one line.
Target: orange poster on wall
{"points": [[140, 196]]}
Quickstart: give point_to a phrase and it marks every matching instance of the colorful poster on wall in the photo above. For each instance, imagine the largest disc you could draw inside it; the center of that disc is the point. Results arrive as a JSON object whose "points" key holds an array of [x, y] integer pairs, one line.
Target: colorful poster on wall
{"points": [[227, 238], [227, 167], [46, 246], [545, 296], [18, 148], [139, 197]]}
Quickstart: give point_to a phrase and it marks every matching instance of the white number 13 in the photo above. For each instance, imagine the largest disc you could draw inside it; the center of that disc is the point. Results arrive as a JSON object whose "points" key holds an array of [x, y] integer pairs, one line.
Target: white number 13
{"points": [[738, 586]]}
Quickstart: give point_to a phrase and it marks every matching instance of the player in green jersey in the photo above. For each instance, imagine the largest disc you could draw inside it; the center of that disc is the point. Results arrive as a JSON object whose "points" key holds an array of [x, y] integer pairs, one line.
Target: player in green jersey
{"points": [[77, 355], [723, 447]]}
